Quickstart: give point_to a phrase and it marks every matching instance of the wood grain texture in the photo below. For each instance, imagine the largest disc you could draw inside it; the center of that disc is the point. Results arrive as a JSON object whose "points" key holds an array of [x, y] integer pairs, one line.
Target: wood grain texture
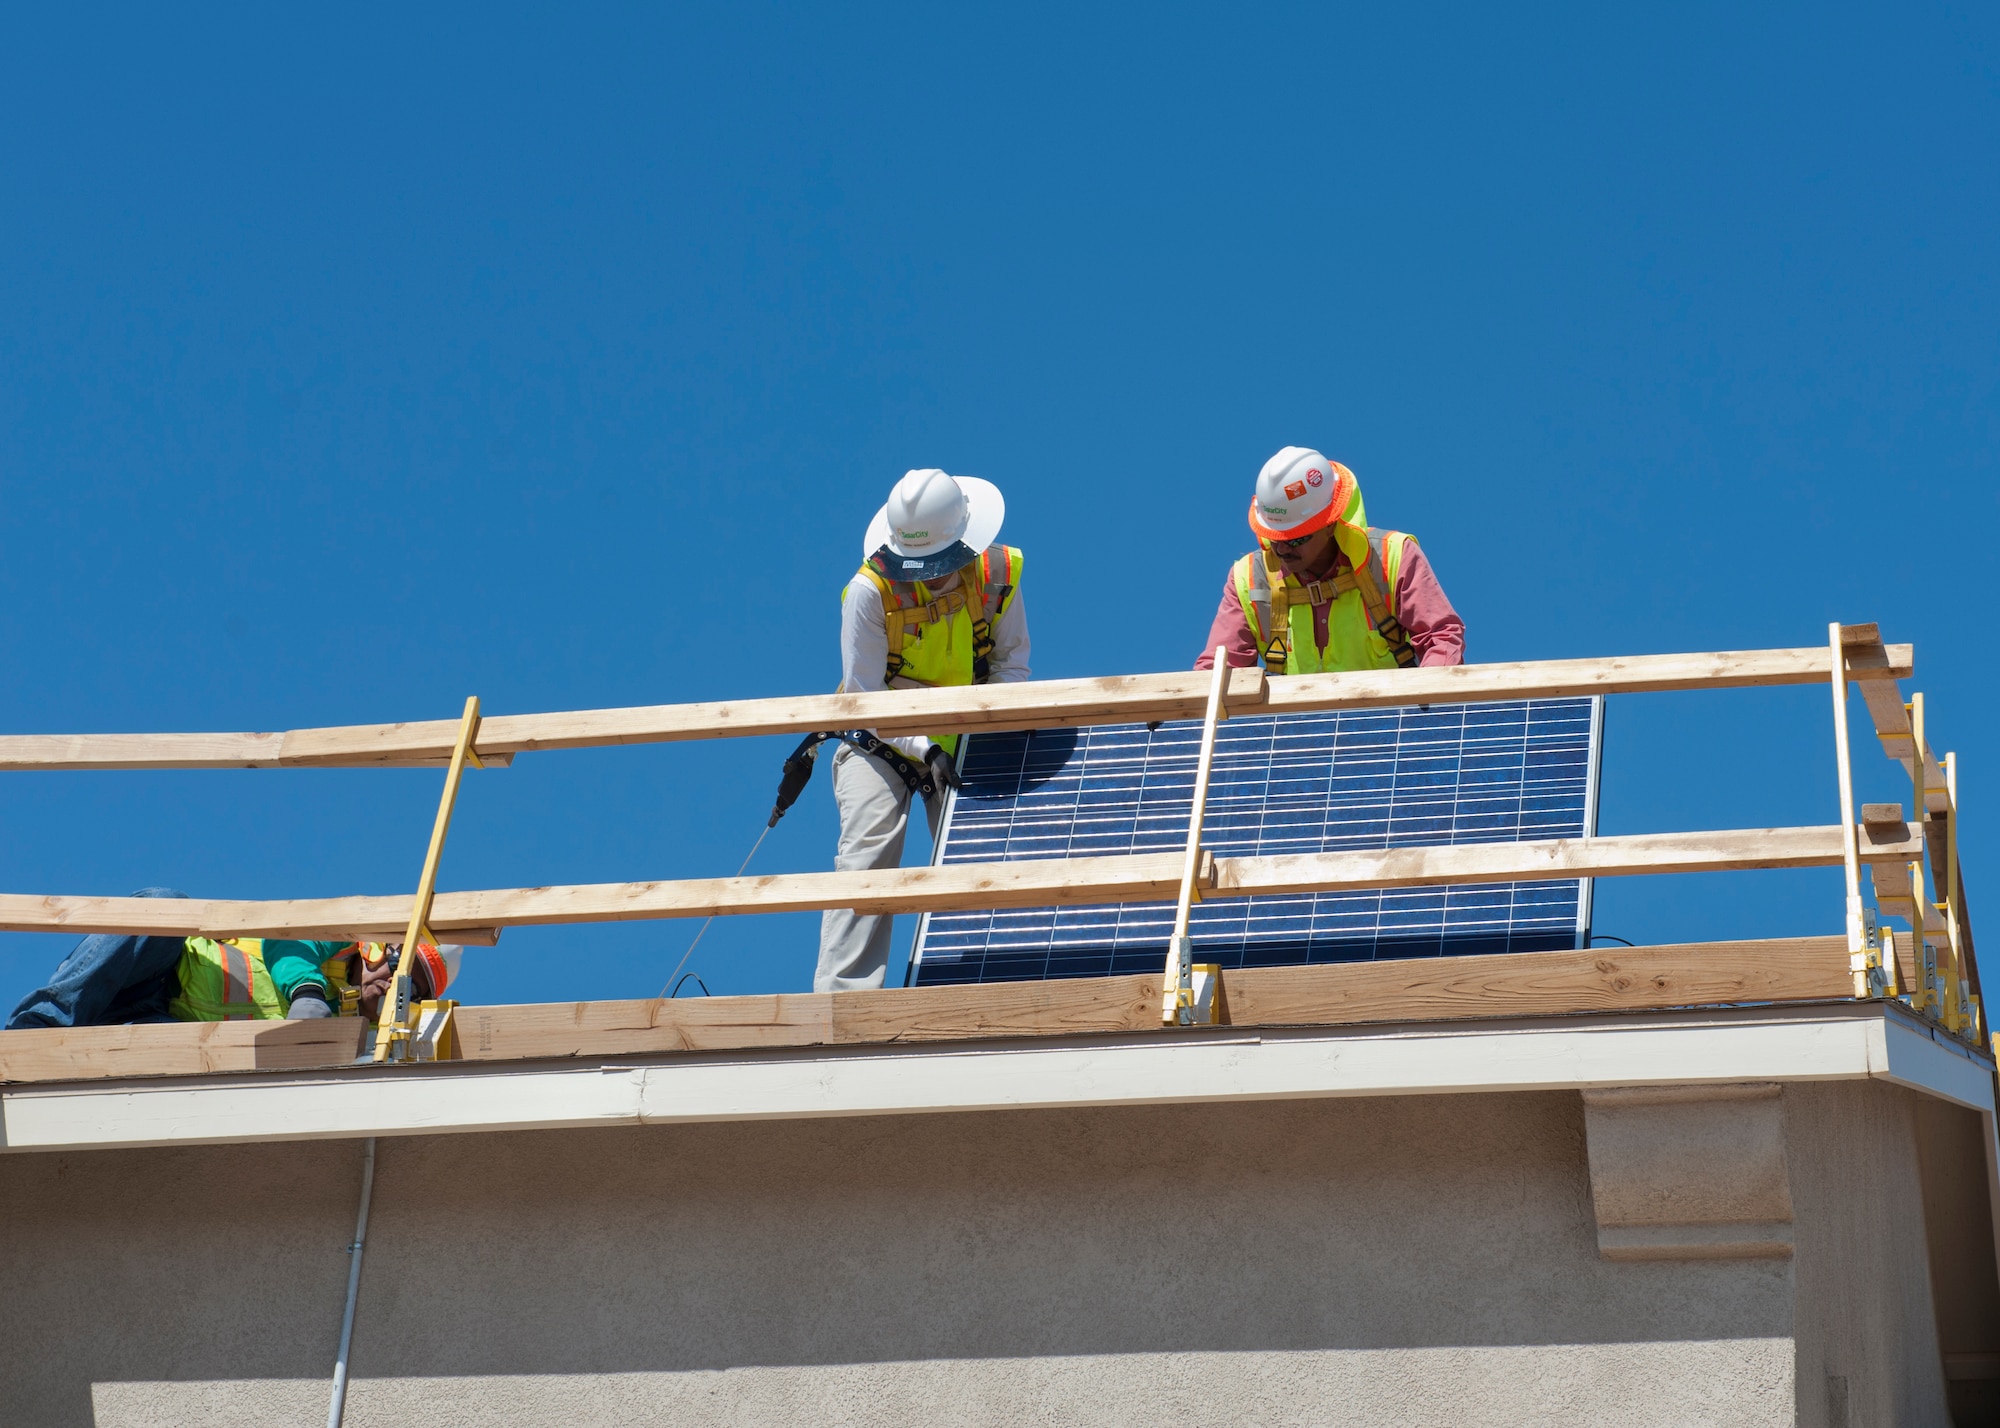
{"points": [[1035, 704], [1567, 678], [28, 753], [962, 886], [177, 1049], [1084, 1006], [1430, 989], [1625, 856], [565, 1029], [1604, 979]]}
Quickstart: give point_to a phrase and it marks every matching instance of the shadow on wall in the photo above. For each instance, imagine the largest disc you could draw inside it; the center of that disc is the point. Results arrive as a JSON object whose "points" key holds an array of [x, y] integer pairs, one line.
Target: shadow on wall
{"points": [[1309, 1225]]}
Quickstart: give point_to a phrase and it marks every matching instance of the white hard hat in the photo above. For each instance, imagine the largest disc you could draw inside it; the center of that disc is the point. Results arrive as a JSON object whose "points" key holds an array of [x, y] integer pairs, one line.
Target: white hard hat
{"points": [[1298, 492], [934, 523]]}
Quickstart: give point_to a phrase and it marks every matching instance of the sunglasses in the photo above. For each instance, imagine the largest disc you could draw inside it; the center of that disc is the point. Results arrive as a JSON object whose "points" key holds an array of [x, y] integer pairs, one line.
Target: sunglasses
{"points": [[1291, 547]]}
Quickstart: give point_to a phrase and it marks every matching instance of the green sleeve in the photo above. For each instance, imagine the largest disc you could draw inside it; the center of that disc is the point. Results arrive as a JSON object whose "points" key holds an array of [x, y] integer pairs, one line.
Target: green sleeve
{"points": [[294, 964]]}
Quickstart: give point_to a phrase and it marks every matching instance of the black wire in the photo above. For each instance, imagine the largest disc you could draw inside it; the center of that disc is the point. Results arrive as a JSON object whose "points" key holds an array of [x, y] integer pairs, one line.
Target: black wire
{"points": [[683, 982], [1607, 937]]}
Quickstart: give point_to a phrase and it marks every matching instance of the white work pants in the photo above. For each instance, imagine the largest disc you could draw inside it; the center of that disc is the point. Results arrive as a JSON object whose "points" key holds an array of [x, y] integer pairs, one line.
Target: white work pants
{"points": [[874, 809]]}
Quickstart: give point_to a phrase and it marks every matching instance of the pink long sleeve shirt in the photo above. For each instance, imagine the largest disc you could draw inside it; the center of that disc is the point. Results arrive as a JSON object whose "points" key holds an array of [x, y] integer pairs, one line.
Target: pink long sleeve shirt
{"points": [[1436, 631]]}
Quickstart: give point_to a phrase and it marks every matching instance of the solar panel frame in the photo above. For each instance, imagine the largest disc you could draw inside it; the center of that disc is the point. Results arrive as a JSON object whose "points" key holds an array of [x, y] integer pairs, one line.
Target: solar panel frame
{"points": [[1335, 923]]}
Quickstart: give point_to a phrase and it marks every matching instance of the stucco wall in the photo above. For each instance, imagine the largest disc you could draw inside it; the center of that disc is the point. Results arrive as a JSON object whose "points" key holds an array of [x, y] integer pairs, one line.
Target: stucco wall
{"points": [[1867, 1336], [1424, 1260]]}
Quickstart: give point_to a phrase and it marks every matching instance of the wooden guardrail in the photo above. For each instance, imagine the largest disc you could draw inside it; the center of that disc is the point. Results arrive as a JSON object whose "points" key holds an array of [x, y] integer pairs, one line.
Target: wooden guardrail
{"points": [[1786, 971], [1151, 877], [1894, 851], [1032, 704]]}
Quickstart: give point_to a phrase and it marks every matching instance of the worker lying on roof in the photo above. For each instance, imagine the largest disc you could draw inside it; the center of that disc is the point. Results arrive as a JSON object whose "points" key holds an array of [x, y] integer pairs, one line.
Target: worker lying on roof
{"points": [[110, 980], [935, 602], [1323, 590]]}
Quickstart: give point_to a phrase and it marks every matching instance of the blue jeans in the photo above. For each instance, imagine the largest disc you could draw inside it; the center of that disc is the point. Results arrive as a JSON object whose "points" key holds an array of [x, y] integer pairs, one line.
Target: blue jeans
{"points": [[108, 980]]}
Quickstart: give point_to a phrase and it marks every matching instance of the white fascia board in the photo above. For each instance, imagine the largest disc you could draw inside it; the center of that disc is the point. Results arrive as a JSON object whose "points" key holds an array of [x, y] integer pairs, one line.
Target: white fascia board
{"points": [[1932, 1061], [1155, 1070], [317, 1106]]}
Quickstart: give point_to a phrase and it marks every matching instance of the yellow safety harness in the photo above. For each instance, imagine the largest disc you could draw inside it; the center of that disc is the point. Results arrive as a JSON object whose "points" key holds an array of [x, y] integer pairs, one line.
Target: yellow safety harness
{"points": [[1274, 593], [908, 608]]}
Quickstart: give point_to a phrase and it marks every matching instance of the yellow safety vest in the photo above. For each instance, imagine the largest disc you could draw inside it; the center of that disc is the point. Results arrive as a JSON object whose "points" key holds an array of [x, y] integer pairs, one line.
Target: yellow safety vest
{"points": [[1362, 631], [225, 981], [946, 639]]}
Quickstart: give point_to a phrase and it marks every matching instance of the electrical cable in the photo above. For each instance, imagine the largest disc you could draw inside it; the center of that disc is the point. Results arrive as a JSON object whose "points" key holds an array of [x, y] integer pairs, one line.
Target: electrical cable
{"points": [[337, 1407], [711, 917], [1607, 937], [690, 977]]}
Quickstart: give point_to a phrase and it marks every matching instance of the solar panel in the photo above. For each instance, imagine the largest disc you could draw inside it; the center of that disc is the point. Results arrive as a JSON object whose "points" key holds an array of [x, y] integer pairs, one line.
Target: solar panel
{"points": [[1291, 783]]}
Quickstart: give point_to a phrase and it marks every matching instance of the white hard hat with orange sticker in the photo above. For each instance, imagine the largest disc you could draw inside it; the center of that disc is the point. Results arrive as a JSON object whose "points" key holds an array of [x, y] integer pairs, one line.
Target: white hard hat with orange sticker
{"points": [[1299, 491]]}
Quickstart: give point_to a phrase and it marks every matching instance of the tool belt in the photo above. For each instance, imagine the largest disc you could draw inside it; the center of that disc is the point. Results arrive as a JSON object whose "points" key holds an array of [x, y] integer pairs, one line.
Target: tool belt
{"points": [[917, 777]]}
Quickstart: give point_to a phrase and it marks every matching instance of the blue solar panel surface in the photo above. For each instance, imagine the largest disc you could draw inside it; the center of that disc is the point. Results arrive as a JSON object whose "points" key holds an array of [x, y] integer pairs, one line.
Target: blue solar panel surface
{"points": [[1295, 783]]}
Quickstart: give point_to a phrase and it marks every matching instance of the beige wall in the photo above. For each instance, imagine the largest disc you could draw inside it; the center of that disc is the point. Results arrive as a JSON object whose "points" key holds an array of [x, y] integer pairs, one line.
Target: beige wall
{"points": [[1432, 1260]]}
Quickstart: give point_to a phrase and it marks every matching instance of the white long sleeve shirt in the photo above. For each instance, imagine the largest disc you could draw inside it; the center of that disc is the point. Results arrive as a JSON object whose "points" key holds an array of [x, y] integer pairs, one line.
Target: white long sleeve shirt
{"points": [[864, 647]]}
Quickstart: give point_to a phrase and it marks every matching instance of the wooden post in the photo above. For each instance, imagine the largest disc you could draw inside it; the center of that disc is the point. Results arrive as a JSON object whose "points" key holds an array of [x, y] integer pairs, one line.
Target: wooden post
{"points": [[1177, 988], [1850, 848], [1948, 890], [395, 1021], [1943, 993]]}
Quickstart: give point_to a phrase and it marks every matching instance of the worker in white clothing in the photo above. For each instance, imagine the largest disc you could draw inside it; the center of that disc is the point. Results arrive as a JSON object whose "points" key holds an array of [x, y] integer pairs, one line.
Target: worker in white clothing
{"points": [[936, 602]]}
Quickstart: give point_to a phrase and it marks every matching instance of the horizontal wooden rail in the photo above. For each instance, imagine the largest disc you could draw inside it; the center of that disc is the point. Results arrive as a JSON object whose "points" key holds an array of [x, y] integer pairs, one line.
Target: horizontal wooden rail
{"points": [[1426, 989], [968, 886], [1035, 704]]}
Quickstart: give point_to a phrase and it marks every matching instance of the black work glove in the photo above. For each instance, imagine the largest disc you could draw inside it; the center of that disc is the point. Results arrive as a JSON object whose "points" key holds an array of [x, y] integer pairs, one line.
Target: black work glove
{"points": [[944, 774]]}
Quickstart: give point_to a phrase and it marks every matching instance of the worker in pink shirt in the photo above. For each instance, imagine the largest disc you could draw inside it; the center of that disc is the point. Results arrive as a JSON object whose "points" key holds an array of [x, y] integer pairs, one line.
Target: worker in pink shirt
{"points": [[1323, 590]]}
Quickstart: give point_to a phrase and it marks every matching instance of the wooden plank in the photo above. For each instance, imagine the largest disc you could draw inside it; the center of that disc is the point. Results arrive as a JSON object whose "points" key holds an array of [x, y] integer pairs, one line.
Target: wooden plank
{"points": [[1631, 855], [1149, 878], [567, 1029], [29, 753], [961, 886], [1603, 979], [177, 1048], [1035, 704], [1083, 1006], [1428, 989], [1894, 897], [1560, 679], [1893, 728], [140, 751]]}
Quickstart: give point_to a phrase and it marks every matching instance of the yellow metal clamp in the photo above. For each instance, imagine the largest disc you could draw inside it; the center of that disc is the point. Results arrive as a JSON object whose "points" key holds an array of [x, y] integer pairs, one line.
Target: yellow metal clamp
{"points": [[401, 1034]]}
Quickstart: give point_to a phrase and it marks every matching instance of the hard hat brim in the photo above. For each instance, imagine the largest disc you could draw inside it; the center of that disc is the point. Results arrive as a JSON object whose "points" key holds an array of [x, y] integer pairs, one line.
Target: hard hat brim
{"points": [[1316, 522], [986, 509]]}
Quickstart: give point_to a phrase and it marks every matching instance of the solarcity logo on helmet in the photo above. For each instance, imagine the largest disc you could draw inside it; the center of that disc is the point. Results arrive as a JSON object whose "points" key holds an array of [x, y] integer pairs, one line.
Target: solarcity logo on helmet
{"points": [[1276, 510], [914, 535]]}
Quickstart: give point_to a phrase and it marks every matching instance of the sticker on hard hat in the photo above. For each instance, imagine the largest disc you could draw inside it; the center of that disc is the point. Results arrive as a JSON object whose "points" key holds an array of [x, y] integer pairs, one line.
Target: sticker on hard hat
{"points": [[1294, 490], [1313, 478], [913, 565]]}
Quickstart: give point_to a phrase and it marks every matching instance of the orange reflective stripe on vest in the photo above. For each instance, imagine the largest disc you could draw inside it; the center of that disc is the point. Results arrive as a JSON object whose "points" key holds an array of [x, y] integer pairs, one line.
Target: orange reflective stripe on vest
{"points": [[1360, 601]]}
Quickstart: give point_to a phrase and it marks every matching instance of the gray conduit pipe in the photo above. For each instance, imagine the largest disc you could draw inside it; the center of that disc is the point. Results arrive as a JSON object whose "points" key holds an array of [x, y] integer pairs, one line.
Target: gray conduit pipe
{"points": [[339, 1405]]}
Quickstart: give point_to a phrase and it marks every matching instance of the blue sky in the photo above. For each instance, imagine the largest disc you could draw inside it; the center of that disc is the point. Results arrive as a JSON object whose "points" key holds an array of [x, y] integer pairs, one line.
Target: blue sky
{"points": [[352, 363]]}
